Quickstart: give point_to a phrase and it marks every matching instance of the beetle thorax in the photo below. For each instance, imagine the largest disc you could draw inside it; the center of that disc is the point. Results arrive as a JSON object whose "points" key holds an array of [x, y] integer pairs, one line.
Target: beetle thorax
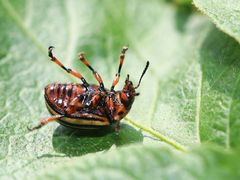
{"points": [[120, 102]]}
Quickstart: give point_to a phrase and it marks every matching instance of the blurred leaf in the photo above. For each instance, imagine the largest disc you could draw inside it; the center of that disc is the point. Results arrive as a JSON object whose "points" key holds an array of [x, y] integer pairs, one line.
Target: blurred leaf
{"points": [[189, 94], [154, 162], [181, 2], [224, 13]]}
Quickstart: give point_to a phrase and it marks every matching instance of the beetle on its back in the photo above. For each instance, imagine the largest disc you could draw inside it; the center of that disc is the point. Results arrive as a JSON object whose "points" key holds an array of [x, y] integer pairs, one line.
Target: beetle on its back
{"points": [[88, 105]]}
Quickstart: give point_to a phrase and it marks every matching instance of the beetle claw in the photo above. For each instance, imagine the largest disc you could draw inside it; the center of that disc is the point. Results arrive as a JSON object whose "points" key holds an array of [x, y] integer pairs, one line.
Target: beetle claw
{"points": [[81, 55], [35, 127], [50, 49], [29, 129], [124, 49], [117, 127]]}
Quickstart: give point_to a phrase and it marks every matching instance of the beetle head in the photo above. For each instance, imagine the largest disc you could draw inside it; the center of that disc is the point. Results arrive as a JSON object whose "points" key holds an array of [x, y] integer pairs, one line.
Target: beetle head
{"points": [[126, 97], [128, 87]]}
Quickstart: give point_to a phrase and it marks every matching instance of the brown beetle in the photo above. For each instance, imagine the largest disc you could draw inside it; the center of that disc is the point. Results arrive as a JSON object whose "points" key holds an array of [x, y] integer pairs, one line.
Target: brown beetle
{"points": [[88, 105]]}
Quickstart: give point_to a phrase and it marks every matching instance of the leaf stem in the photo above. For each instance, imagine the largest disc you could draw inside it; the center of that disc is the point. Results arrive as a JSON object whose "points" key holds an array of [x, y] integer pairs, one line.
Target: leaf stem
{"points": [[158, 135]]}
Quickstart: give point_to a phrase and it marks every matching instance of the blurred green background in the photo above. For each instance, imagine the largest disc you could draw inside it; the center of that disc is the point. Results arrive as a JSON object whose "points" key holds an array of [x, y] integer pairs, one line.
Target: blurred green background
{"points": [[190, 94]]}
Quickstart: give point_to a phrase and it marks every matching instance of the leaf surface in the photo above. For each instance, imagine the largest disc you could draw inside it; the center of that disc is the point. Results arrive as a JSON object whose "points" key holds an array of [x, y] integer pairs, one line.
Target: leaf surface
{"points": [[201, 163], [224, 13], [189, 94]]}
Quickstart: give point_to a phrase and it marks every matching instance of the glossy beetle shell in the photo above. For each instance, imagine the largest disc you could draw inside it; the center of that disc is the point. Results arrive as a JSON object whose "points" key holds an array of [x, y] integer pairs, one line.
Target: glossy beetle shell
{"points": [[94, 113]]}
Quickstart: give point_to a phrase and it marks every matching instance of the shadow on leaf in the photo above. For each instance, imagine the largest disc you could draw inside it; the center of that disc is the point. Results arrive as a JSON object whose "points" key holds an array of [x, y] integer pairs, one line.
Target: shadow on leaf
{"points": [[182, 16], [79, 142]]}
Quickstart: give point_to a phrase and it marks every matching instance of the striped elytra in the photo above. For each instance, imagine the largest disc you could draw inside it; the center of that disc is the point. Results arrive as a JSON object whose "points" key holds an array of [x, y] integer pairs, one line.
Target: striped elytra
{"points": [[79, 105]]}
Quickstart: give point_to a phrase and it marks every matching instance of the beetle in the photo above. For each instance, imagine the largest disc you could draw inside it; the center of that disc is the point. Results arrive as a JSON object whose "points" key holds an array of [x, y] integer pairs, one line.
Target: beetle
{"points": [[87, 105]]}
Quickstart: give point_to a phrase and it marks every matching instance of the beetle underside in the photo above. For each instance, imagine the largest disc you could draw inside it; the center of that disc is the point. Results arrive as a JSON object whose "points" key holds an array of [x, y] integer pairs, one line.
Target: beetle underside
{"points": [[84, 105]]}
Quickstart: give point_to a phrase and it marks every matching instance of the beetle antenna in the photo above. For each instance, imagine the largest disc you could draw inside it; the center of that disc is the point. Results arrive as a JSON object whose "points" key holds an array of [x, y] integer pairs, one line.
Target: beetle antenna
{"points": [[144, 71], [127, 79]]}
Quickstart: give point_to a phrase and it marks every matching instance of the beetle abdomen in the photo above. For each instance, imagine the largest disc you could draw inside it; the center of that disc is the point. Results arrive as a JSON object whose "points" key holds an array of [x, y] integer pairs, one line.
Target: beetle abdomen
{"points": [[60, 95], [83, 120]]}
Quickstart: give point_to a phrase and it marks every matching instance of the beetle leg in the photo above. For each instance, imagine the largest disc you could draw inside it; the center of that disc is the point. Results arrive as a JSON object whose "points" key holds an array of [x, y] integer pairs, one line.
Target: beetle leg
{"points": [[117, 127], [96, 75], [80, 102], [111, 107], [75, 104], [94, 101], [74, 73], [117, 77], [44, 121]]}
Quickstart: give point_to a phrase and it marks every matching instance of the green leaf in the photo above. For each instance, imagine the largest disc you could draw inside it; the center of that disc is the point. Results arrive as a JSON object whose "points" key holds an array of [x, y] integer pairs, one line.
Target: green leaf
{"points": [[181, 2], [155, 162], [224, 13], [189, 95], [220, 100]]}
